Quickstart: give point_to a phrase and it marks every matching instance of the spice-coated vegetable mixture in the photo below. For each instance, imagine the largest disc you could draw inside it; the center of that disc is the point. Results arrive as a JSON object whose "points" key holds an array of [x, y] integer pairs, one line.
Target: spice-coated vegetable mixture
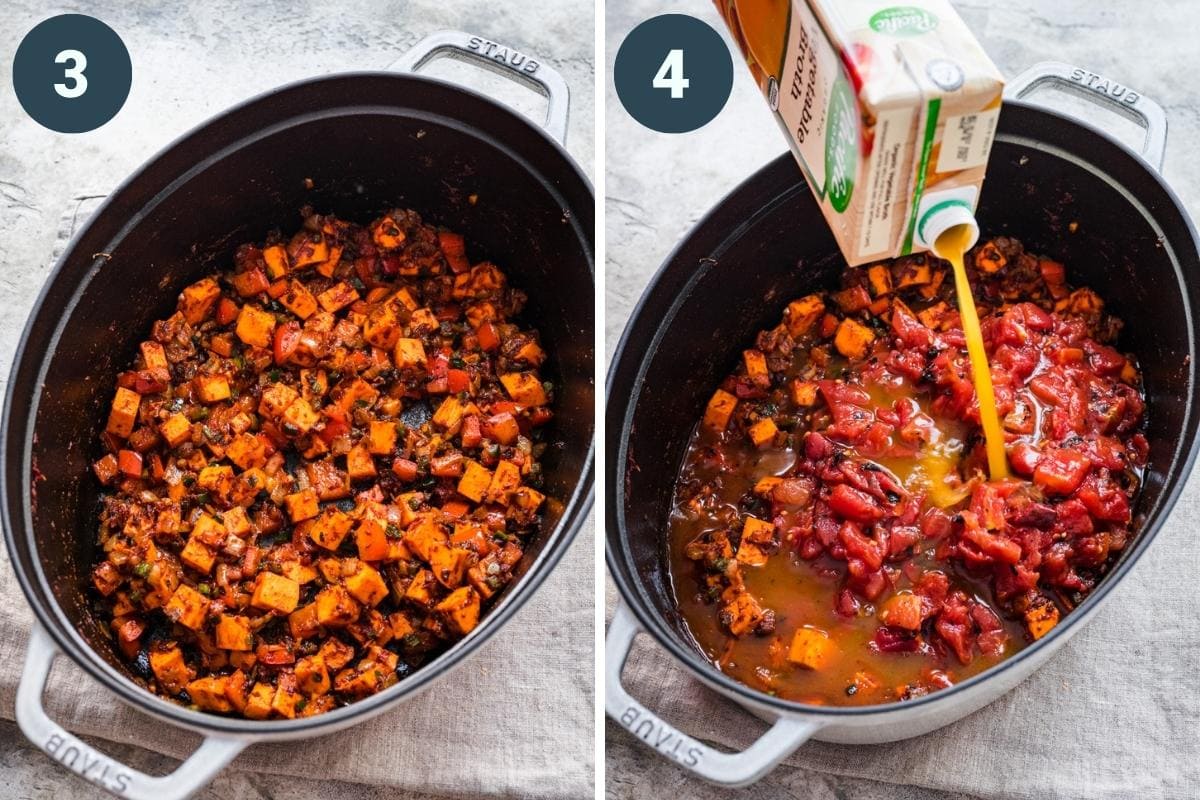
{"points": [[320, 468], [835, 539]]}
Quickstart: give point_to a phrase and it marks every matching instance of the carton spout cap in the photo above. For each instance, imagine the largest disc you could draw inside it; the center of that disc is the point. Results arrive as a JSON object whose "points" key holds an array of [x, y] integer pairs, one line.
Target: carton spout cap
{"points": [[941, 218]]}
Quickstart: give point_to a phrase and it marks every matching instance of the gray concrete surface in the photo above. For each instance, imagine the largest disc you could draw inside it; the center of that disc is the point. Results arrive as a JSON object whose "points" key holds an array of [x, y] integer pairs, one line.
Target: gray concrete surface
{"points": [[190, 61], [659, 185]]}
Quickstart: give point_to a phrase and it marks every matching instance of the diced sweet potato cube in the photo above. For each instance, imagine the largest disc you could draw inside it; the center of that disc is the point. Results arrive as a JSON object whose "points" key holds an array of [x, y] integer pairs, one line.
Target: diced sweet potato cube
{"points": [[300, 416], [209, 694], [902, 610], [743, 613], [154, 357], [381, 439], [275, 593], [337, 297], [1040, 618], [989, 259], [475, 481], [811, 649], [330, 528], [460, 610], [879, 277], [421, 537], [359, 463], [276, 398], [255, 327], [372, 540], [758, 531], [124, 412], [187, 607], [751, 554], [176, 429], [401, 625], [198, 555], [299, 300], [211, 388], [303, 622], [387, 234], [247, 451], [285, 701], [258, 704], [448, 564], [756, 364], [912, 272], [276, 259], [301, 505], [409, 354], [449, 414], [215, 477], [524, 388], [527, 499], [306, 249], [198, 300], [720, 409], [502, 427], [366, 586], [801, 315], [311, 676], [233, 633], [420, 589], [933, 316], [335, 607], [804, 393], [765, 486], [106, 469], [853, 339], [382, 326], [762, 433], [505, 481], [170, 669]]}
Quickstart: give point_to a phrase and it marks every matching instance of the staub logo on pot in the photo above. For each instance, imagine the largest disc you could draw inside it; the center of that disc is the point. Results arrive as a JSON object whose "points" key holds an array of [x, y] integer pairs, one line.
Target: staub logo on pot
{"points": [[1098, 83], [88, 763], [662, 738], [507, 55]]}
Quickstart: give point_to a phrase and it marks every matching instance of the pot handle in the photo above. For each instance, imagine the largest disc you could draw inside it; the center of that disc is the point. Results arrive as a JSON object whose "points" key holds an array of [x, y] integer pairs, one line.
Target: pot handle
{"points": [[726, 769], [90, 764], [501, 59], [1102, 92]]}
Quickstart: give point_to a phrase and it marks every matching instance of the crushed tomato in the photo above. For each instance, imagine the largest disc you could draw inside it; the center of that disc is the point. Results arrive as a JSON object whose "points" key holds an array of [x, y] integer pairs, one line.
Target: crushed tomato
{"points": [[835, 538]]}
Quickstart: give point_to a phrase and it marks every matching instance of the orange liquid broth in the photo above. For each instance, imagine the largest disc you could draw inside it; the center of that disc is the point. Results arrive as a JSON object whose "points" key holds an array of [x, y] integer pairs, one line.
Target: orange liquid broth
{"points": [[953, 245], [865, 652]]}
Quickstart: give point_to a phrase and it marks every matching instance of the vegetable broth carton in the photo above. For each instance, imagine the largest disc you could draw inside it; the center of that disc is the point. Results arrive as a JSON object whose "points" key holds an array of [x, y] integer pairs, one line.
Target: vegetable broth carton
{"points": [[890, 110]]}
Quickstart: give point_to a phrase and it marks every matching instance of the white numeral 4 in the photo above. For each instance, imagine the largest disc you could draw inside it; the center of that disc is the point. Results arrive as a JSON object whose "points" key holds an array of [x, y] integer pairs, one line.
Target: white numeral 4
{"points": [[73, 73], [670, 75]]}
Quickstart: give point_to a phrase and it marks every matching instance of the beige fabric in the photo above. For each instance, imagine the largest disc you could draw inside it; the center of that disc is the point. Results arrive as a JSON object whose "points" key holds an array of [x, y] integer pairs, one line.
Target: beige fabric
{"points": [[516, 719], [1112, 716]]}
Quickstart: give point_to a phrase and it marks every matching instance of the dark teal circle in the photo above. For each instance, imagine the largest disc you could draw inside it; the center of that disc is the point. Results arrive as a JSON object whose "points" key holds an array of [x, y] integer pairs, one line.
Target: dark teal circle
{"points": [[707, 66], [108, 72]]}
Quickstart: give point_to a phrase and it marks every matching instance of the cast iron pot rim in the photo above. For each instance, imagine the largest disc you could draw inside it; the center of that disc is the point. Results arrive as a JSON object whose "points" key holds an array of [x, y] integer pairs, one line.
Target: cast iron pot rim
{"points": [[691, 658], [64, 634]]}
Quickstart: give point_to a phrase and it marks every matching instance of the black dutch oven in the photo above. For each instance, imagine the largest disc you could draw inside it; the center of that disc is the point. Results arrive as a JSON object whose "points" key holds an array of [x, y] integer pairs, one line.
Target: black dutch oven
{"points": [[369, 141], [766, 243]]}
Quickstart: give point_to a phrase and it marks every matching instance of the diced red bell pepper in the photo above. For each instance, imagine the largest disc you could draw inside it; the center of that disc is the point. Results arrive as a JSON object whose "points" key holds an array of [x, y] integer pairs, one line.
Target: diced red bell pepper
{"points": [[287, 339], [488, 336], [227, 311], [129, 463], [458, 380]]}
